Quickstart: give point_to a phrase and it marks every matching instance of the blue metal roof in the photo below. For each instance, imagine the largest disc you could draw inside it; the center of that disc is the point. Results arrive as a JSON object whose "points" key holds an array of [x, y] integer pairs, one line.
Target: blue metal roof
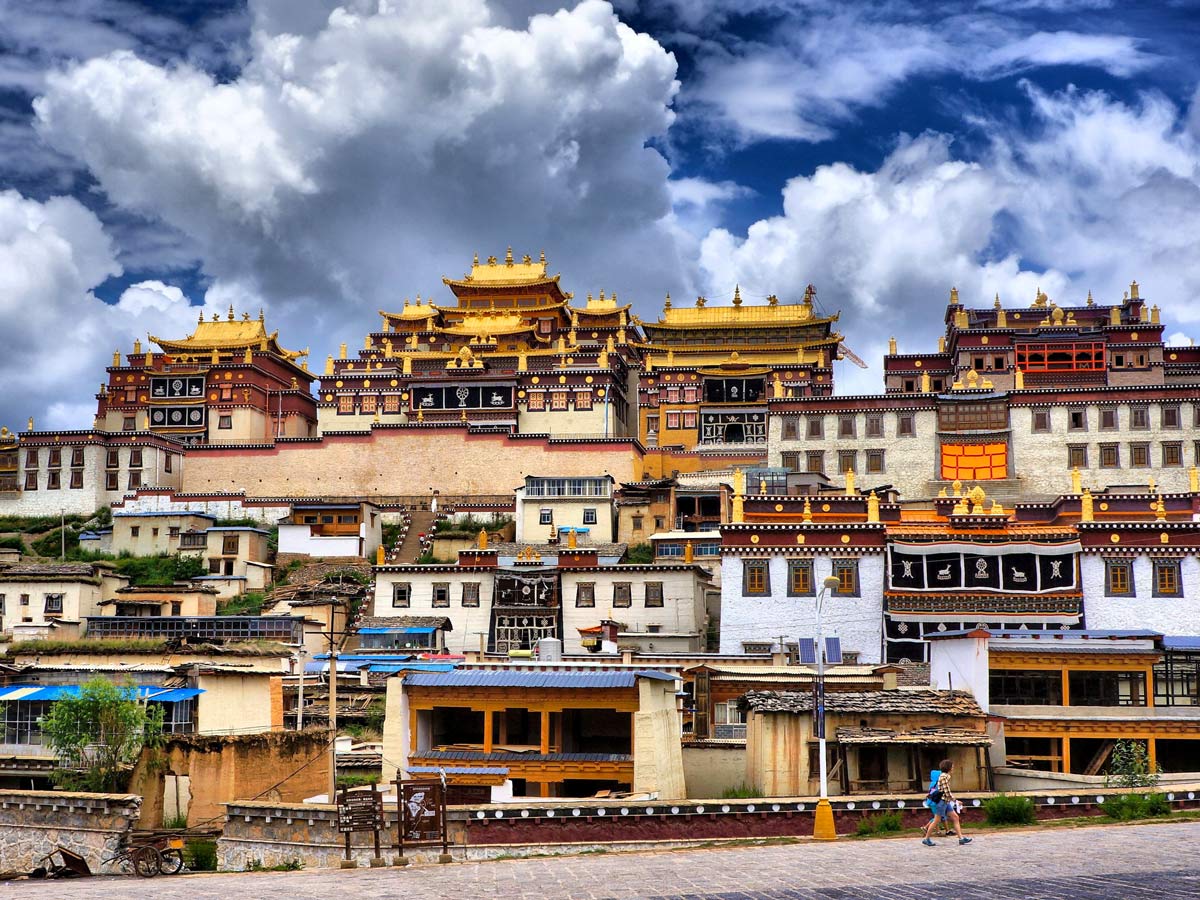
{"points": [[411, 667], [457, 770], [1181, 643], [52, 692], [623, 678], [404, 630], [236, 528]]}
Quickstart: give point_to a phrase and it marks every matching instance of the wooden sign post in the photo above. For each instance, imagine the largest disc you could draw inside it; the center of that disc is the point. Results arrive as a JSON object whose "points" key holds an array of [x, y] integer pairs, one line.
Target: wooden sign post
{"points": [[421, 818], [360, 810]]}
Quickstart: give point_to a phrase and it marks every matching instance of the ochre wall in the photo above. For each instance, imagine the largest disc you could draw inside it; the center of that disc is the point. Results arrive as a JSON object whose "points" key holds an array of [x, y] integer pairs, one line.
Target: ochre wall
{"points": [[402, 461]]}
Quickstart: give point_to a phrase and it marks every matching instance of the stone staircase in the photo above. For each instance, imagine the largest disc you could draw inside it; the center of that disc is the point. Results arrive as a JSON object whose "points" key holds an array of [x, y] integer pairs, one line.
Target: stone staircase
{"points": [[421, 522]]}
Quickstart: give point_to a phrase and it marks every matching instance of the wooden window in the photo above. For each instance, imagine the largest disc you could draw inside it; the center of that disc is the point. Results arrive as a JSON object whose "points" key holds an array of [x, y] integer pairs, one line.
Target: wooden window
{"points": [[226, 422], [1172, 454], [874, 425], [906, 425], [800, 578], [229, 545], [816, 426], [135, 457], [536, 400], [401, 595], [652, 424], [654, 594], [999, 363], [874, 462], [790, 460], [1090, 688], [110, 481], [755, 578], [345, 404], [672, 394], [55, 457], [53, 480], [176, 608], [637, 522], [558, 399], [1025, 687], [1077, 419], [168, 461], [1139, 455], [226, 392], [1118, 577], [846, 572], [689, 420], [815, 461], [135, 479], [910, 385], [846, 426], [470, 593], [54, 604], [112, 459], [589, 515], [1077, 456], [153, 532], [173, 532], [31, 481], [76, 457], [1170, 418], [585, 594], [1139, 418], [1108, 419], [77, 479], [1041, 420], [691, 394], [391, 404], [791, 428], [1166, 578], [367, 403], [583, 399], [1110, 456], [622, 594], [1060, 356], [129, 423], [847, 460], [977, 416], [672, 420], [135, 531]]}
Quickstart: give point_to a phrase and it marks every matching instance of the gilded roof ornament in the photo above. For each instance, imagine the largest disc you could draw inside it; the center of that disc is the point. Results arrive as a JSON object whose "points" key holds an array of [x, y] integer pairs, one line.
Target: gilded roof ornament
{"points": [[1090, 301], [508, 257], [700, 301], [201, 315], [997, 303], [230, 312], [953, 296], [772, 300], [667, 304], [737, 295]]}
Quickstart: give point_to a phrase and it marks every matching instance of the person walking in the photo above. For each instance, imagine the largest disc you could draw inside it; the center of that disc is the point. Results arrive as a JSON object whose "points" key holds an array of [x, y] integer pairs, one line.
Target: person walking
{"points": [[945, 806], [944, 826]]}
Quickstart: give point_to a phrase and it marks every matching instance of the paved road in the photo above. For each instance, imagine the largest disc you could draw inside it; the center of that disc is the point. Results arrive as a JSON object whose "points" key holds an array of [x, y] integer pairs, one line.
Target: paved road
{"points": [[1096, 863]]}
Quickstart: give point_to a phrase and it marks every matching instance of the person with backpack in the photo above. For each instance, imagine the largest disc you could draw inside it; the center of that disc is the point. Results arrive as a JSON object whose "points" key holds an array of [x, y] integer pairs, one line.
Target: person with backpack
{"points": [[943, 826], [944, 805]]}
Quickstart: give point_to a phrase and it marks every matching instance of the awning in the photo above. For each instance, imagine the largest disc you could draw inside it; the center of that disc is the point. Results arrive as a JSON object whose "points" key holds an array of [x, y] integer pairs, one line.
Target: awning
{"points": [[51, 692], [924, 736], [400, 630], [175, 695]]}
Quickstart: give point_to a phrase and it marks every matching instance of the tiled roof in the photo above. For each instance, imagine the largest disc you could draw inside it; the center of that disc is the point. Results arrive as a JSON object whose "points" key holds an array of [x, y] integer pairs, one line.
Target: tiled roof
{"points": [[913, 675], [933, 735], [904, 701], [441, 622], [501, 756], [532, 679]]}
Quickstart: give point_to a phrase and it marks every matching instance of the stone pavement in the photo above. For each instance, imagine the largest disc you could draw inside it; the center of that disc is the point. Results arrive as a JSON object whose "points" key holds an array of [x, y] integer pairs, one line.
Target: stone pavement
{"points": [[1095, 863]]}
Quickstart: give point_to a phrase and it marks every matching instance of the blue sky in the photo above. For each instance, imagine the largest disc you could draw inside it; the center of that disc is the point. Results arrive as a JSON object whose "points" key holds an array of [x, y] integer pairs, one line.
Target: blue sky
{"points": [[325, 160]]}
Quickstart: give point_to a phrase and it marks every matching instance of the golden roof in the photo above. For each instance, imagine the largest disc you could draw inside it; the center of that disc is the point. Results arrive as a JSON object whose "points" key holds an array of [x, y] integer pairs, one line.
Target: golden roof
{"points": [[489, 324], [419, 311], [601, 306], [505, 274], [228, 334]]}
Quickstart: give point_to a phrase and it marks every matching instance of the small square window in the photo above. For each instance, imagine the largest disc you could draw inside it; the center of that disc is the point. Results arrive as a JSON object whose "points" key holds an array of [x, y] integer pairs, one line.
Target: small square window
{"points": [[999, 363], [1139, 418], [791, 428], [846, 428], [672, 420], [755, 580], [1166, 578], [31, 459], [1139, 456], [1172, 454], [441, 593], [225, 422], [31, 479], [135, 479], [53, 480], [1041, 420], [800, 578], [654, 594], [874, 462], [589, 516], [135, 457], [846, 572], [1077, 420], [112, 458], [906, 425], [1108, 419], [56, 457], [1110, 456], [847, 460], [585, 594], [1171, 417], [815, 461], [875, 425], [135, 530], [110, 481], [1118, 577], [128, 423], [622, 594], [1077, 456], [76, 457], [54, 604], [545, 516], [816, 426], [401, 595]]}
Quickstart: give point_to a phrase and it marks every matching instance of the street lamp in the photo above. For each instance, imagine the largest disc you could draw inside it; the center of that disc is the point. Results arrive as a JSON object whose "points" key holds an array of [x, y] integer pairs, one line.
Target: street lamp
{"points": [[823, 827]]}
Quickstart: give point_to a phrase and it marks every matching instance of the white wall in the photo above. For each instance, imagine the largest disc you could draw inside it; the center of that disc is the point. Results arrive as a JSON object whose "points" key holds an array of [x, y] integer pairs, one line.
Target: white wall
{"points": [[858, 621], [961, 664], [1169, 615], [300, 539]]}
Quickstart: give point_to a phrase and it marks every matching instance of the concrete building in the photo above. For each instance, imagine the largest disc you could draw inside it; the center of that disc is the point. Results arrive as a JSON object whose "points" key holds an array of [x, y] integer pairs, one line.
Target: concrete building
{"points": [[237, 557], [160, 600], [332, 529], [547, 508], [560, 731], [155, 533], [52, 600]]}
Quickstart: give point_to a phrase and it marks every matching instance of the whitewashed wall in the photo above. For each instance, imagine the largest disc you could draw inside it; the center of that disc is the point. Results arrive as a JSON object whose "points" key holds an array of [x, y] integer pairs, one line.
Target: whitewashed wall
{"points": [[1176, 616]]}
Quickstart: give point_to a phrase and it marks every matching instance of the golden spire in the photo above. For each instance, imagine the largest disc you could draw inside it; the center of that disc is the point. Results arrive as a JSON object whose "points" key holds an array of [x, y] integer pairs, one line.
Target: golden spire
{"points": [[1090, 301], [926, 387], [1086, 510], [116, 358], [137, 346], [201, 314], [542, 257], [342, 351], [667, 305], [474, 262], [850, 486], [762, 485], [953, 296], [739, 489], [737, 295], [1133, 290], [420, 414], [807, 515], [481, 539], [329, 365], [1193, 479], [508, 257], [689, 553], [1076, 480], [379, 557], [892, 346], [872, 507], [30, 428], [700, 301], [261, 315], [1160, 509], [996, 304], [248, 356], [230, 312]]}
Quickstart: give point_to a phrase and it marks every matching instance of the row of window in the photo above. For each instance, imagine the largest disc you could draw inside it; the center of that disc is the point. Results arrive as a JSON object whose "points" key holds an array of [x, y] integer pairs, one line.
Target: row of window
{"points": [[1119, 580], [674, 394], [32, 456], [1139, 455], [847, 426], [674, 420], [585, 594], [1037, 687], [814, 461], [567, 487], [546, 515], [1108, 418], [756, 578], [52, 603]]}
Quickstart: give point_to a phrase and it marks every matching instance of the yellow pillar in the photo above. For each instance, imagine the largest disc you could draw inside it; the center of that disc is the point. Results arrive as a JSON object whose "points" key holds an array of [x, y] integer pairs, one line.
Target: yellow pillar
{"points": [[1152, 751], [545, 748], [1066, 688], [1149, 686], [1066, 754], [488, 725]]}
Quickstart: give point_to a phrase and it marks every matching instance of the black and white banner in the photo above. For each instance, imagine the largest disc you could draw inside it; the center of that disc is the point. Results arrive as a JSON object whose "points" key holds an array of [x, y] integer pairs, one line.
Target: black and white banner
{"points": [[1020, 568]]}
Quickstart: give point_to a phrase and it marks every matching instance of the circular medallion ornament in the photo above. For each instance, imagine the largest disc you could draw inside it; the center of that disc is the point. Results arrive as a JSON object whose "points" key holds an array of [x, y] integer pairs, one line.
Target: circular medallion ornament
{"points": [[754, 538], [824, 507], [177, 386], [1115, 538], [917, 363], [845, 538], [778, 507], [393, 382], [176, 416], [1164, 538], [194, 416], [328, 398], [535, 380], [159, 418]]}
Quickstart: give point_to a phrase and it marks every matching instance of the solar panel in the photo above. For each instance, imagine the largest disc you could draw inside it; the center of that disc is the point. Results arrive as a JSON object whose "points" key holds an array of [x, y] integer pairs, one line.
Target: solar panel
{"points": [[833, 650], [808, 651]]}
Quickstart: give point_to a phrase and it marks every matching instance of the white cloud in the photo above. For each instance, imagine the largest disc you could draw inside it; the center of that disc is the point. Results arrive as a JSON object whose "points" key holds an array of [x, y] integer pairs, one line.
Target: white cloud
{"points": [[371, 148], [1098, 194], [58, 335]]}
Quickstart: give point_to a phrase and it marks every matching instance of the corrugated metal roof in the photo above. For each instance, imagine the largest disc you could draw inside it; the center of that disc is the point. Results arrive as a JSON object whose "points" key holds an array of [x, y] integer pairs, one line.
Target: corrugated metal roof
{"points": [[400, 630], [457, 770], [1181, 643], [52, 692], [500, 756], [533, 679]]}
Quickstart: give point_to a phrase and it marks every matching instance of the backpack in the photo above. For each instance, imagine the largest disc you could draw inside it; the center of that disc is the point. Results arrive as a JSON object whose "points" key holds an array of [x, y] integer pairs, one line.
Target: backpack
{"points": [[935, 794]]}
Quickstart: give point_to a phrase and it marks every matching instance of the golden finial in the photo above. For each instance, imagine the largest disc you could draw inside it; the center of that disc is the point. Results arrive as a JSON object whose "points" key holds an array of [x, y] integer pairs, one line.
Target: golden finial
{"points": [[996, 304], [926, 385], [1160, 510], [329, 365], [1133, 290], [953, 296], [1154, 315], [1076, 480], [810, 294], [806, 516], [527, 260], [216, 356], [941, 343], [689, 553], [245, 317], [542, 257], [137, 346], [700, 301], [851, 488], [667, 304], [475, 260], [116, 358], [1193, 479], [30, 428], [572, 540], [463, 416], [762, 485], [248, 356], [481, 539], [1086, 507], [201, 316], [1019, 380], [892, 346], [342, 351], [872, 507], [379, 555], [261, 315], [376, 413], [737, 295], [957, 486], [1090, 301], [420, 414], [739, 489], [508, 257], [772, 300], [230, 312]]}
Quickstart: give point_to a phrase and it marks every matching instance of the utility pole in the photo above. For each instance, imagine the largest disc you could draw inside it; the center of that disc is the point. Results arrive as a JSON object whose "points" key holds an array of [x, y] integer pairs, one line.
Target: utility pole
{"points": [[823, 826], [300, 654], [62, 534], [333, 724]]}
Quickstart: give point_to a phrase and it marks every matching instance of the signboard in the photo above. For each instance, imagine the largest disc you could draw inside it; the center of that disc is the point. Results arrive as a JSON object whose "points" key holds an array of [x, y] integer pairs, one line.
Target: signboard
{"points": [[422, 814], [462, 396], [359, 811], [179, 387], [177, 417], [1011, 568]]}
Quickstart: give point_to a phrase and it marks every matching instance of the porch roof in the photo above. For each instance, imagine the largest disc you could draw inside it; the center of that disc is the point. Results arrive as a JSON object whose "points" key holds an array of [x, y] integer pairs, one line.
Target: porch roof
{"points": [[925, 736]]}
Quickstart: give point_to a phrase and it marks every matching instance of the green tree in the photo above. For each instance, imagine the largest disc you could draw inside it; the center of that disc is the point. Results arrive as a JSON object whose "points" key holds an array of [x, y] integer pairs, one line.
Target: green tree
{"points": [[99, 734], [1130, 766]]}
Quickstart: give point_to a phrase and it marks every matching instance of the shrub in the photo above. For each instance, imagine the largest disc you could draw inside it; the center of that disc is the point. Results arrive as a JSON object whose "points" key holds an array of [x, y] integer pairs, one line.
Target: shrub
{"points": [[639, 553], [201, 856], [248, 604], [1136, 806], [741, 792], [13, 542], [176, 821], [883, 823], [1005, 810], [1130, 766]]}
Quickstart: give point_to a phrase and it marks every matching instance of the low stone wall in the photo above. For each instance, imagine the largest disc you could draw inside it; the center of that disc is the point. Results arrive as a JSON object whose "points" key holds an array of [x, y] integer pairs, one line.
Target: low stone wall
{"points": [[276, 834], [33, 823]]}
